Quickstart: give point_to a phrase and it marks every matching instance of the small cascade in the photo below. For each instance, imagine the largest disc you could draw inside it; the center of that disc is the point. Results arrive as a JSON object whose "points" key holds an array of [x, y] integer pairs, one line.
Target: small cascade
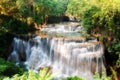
{"points": [[66, 57]]}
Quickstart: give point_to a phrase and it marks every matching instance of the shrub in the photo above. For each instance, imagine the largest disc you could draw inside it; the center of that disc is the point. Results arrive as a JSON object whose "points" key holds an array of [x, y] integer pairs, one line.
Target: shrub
{"points": [[98, 77], [9, 69], [30, 75], [74, 78]]}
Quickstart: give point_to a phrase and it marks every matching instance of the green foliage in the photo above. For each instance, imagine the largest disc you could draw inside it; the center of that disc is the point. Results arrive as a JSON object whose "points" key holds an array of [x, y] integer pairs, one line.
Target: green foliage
{"points": [[89, 21], [3, 65], [23, 10], [7, 7], [40, 9], [9, 69], [74, 78], [115, 49], [97, 77], [103, 14], [45, 8], [30, 75], [23, 7], [114, 74]]}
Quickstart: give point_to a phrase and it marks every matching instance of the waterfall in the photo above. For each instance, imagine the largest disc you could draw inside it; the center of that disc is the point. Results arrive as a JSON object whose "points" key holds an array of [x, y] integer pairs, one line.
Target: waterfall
{"points": [[66, 57]]}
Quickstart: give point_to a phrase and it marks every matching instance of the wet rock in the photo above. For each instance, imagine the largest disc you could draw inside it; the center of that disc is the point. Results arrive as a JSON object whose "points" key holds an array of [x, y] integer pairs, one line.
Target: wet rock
{"points": [[25, 37], [65, 19], [53, 19], [57, 19]]}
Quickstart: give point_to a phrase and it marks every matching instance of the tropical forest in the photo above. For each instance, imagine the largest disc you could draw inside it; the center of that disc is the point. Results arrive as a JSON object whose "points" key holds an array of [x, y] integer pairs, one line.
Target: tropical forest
{"points": [[59, 39]]}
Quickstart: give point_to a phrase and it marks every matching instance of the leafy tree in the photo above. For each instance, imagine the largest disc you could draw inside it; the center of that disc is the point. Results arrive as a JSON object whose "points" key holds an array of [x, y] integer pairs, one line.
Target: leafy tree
{"points": [[7, 7], [101, 18], [38, 10], [102, 14]]}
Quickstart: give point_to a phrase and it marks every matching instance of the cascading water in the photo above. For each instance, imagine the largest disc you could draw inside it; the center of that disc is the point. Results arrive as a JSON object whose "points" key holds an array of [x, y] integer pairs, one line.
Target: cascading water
{"points": [[65, 56]]}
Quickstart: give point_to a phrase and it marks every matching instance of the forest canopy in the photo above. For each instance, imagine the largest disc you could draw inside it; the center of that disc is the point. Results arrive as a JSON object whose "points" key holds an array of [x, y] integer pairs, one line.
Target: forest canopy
{"points": [[37, 9]]}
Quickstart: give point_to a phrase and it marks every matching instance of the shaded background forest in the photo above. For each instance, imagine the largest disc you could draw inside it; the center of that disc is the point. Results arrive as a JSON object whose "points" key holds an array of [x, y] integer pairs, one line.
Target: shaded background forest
{"points": [[100, 18]]}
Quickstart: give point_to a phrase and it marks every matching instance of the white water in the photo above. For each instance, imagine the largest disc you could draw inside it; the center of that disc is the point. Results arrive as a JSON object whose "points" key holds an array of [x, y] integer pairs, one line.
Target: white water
{"points": [[66, 57]]}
